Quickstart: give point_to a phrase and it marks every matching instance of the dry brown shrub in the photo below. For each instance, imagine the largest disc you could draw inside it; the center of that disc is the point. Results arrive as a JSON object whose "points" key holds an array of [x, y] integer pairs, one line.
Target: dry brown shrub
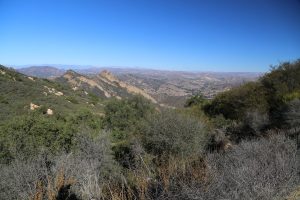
{"points": [[54, 187]]}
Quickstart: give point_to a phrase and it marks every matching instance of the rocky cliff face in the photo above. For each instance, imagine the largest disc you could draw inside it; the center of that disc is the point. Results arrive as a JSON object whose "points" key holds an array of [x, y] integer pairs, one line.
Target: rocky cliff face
{"points": [[79, 81], [104, 84], [109, 77]]}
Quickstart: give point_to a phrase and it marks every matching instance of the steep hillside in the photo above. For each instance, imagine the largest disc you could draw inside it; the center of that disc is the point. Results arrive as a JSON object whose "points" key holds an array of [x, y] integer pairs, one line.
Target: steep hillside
{"points": [[104, 85], [107, 76], [21, 94]]}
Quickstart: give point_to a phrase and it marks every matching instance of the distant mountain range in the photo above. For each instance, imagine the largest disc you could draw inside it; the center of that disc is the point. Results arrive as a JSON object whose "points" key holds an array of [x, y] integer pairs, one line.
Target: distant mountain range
{"points": [[170, 88], [42, 71]]}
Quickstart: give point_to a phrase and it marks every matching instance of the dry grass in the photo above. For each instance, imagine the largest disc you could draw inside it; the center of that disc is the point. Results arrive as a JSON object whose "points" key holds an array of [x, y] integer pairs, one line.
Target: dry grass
{"points": [[295, 195], [39, 191], [183, 170], [54, 187]]}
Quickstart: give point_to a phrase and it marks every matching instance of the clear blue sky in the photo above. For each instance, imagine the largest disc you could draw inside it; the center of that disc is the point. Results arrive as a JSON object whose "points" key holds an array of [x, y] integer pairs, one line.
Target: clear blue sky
{"points": [[211, 35]]}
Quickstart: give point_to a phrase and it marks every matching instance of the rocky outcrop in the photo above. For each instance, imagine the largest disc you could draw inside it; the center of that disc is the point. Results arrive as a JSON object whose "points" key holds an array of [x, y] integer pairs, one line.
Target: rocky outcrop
{"points": [[34, 106], [2, 72], [30, 78], [76, 81], [54, 91], [49, 111], [130, 88], [105, 82]]}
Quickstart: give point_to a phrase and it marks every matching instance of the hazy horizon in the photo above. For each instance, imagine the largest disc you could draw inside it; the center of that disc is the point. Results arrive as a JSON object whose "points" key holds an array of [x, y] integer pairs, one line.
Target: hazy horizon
{"points": [[86, 67]]}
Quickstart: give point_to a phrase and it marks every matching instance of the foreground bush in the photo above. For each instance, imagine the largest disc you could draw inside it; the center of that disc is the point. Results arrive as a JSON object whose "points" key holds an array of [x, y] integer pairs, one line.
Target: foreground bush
{"points": [[83, 174], [263, 169]]}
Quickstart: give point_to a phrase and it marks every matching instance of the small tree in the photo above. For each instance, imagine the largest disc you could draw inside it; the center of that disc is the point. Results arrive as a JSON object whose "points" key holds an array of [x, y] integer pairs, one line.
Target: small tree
{"points": [[195, 100]]}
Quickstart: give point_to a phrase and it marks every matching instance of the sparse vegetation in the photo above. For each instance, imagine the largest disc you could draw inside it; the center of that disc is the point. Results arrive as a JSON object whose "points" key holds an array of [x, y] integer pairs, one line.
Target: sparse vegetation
{"points": [[239, 145]]}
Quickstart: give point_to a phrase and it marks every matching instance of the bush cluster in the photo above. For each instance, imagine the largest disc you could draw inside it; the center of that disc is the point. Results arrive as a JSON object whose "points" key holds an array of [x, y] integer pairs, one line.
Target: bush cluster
{"points": [[137, 150]]}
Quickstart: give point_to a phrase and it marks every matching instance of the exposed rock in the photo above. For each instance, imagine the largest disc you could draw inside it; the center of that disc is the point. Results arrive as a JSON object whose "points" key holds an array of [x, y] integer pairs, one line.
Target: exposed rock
{"points": [[59, 93], [2, 72], [228, 146], [130, 88], [109, 76], [49, 111], [30, 78], [104, 84], [94, 84], [76, 80], [33, 106], [53, 91]]}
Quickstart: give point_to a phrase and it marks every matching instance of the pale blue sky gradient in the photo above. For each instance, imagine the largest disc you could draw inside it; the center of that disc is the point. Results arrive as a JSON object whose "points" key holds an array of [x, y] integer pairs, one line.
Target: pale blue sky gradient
{"points": [[198, 35]]}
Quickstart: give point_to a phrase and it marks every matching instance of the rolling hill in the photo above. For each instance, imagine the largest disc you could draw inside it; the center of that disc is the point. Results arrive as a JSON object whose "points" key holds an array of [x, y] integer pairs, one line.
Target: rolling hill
{"points": [[42, 71], [21, 94]]}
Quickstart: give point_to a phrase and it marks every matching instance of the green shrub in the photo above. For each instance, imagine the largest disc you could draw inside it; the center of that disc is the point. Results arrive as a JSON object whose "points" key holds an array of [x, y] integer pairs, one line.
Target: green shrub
{"points": [[72, 99], [30, 133], [169, 133], [235, 103], [196, 100], [94, 99], [268, 96], [124, 118], [125, 114]]}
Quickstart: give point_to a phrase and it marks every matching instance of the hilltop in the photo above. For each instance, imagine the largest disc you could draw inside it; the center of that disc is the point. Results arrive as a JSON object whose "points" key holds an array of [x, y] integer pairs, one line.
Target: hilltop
{"points": [[104, 85], [19, 91], [42, 71]]}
